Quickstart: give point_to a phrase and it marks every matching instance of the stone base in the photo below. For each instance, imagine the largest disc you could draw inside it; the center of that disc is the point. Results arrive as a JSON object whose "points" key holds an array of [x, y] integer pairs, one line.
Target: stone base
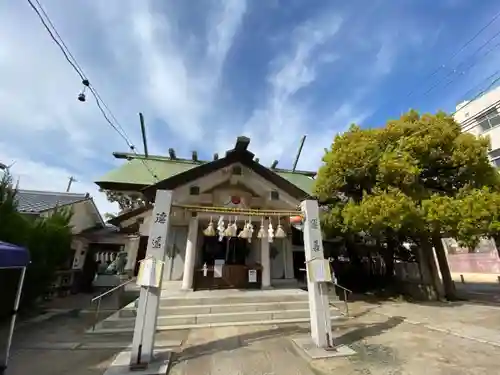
{"points": [[158, 366], [309, 348]]}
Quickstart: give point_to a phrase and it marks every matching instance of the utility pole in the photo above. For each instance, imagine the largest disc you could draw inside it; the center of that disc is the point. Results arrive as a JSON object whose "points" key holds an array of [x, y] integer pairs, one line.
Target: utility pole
{"points": [[71, 180]]}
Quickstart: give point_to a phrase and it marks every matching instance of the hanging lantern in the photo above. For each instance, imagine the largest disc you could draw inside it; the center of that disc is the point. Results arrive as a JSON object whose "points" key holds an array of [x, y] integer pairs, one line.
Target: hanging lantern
{"points": [[81, 95], [297, 222], [270, 232], [261, 233], [296, 219], [210, 231], [280, 233]]}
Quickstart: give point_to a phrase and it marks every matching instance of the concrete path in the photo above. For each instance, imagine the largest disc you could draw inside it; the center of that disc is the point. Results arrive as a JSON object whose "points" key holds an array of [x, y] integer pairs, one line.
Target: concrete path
{"points": [[241, 351], [389, 338], [470, 321]]}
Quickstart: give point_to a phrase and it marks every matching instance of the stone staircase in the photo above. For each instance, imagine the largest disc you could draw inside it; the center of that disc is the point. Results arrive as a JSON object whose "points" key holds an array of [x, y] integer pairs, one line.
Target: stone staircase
{"points": [[188, 310]]}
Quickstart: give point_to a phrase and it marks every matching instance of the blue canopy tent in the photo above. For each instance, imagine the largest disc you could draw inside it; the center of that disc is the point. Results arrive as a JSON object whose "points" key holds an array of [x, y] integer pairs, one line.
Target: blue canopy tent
{"points": [[13, 257]]}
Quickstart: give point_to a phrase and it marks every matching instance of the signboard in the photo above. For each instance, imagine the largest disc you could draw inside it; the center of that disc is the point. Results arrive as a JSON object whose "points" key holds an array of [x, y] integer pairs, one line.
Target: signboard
{"points": [[252, 276], [318, 271], [218, 264], [150, 271]]}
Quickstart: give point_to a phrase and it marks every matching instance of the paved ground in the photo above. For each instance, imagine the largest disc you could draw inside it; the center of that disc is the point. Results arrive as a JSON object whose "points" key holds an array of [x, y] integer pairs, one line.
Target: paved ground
{"points": [[390, 339]]}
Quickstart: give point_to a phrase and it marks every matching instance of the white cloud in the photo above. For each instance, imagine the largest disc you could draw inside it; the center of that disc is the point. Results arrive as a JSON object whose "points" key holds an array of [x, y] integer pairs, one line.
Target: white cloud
{"points": [[141, 59], [180, 89], [279, 124], [143, 68], [37, 175]]}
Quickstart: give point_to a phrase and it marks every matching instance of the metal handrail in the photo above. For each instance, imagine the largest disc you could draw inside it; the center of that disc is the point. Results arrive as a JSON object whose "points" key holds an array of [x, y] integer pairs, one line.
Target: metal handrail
{"points": [[102, 295], [344, 289]]}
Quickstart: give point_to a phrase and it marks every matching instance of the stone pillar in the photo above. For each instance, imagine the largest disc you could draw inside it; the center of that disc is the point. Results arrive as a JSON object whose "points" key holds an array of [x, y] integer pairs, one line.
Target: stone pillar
{"points": [[131, 247], [149, 298], [190, 257], [288, 257], [319, 308], [265, 260], [81, 248]]}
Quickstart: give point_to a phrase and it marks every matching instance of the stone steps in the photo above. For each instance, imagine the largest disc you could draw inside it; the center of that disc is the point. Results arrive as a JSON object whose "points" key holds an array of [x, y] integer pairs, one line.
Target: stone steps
{"points": [[130, 311], [203, 301], [220, 308], [215, 318]]}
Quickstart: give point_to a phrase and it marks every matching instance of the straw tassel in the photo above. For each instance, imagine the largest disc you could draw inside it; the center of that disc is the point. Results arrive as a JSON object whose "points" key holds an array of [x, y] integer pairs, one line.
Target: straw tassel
{"points": [[261, 233], [270, 232], [220, 228]]}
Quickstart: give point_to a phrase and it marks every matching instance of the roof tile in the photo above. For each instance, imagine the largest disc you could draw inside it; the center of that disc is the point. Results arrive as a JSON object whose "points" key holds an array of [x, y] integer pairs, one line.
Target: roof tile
{"points": [[32, 201], [135, 172]]}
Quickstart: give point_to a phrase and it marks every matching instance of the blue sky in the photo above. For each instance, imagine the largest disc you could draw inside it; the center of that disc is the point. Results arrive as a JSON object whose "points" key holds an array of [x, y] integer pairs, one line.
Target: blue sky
{"points": [[204, 72]]}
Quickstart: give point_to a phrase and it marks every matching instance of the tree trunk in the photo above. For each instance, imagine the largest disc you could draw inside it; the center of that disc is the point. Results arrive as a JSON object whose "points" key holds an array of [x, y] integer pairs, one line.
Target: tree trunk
{"points": [[496, 240], [428, 263], [449, 286], [388, 255]]}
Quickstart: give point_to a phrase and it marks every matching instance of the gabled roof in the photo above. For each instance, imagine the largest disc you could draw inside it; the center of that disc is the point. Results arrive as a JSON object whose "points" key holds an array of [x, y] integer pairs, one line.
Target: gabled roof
{"points": [[239, 154], [34, 202], [37, 202], [136, 174]]}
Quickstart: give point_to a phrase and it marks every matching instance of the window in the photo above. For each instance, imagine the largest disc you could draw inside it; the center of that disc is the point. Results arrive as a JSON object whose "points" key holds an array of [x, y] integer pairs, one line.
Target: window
{"points": [[489, 120], [194, 190], [236, 170], [275, 195], [495, 157]]}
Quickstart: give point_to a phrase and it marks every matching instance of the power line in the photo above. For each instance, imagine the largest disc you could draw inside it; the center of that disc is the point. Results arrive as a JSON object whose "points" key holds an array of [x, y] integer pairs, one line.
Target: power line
{"points": [[462, 48], [456, 69], [470, 91], [479, 94], [78, 69], [55, 40]]}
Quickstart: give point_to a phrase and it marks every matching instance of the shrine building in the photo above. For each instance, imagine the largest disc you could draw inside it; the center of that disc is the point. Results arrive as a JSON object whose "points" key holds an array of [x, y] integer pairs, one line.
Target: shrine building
{"points": [[230, 217]]}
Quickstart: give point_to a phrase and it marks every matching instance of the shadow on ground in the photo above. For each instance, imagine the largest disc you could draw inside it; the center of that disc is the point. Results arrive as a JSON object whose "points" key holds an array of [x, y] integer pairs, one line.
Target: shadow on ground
{"points": [[365, 331], [469, 293], [360, 332], [234, 342]]}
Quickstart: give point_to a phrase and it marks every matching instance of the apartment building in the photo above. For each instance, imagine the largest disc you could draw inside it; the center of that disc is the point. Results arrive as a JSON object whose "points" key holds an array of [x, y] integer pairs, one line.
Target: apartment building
{"points": [[482, 117], [479, 117]]}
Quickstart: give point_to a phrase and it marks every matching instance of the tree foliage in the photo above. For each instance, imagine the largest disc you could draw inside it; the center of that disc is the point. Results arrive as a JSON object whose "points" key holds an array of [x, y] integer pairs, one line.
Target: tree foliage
{"points": [[126, 201], [47, 238], [419, 177]]}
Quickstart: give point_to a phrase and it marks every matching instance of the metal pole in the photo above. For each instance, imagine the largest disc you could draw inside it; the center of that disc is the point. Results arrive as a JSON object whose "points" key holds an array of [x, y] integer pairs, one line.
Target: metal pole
{"points": [[143, 132], [96, 317], [13, 320], [139, 354], [298, 153]]}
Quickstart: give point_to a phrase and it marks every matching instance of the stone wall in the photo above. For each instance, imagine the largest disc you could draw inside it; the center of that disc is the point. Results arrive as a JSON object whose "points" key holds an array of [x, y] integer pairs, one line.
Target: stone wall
{"points": [[483, 259]]}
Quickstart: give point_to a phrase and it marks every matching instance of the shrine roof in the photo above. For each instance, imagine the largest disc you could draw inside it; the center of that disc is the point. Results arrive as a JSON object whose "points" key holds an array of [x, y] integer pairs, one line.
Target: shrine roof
{"points": [[138, 172]]}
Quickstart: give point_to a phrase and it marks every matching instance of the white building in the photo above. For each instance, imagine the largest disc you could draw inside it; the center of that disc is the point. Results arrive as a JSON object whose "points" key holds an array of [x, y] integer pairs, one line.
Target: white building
{"points": [[481, 117]]}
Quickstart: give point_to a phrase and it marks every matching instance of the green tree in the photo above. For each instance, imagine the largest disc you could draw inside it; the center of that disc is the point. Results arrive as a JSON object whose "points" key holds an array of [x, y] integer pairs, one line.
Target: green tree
{"points": [[109, 216], [47, 238], [407, 179]]}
